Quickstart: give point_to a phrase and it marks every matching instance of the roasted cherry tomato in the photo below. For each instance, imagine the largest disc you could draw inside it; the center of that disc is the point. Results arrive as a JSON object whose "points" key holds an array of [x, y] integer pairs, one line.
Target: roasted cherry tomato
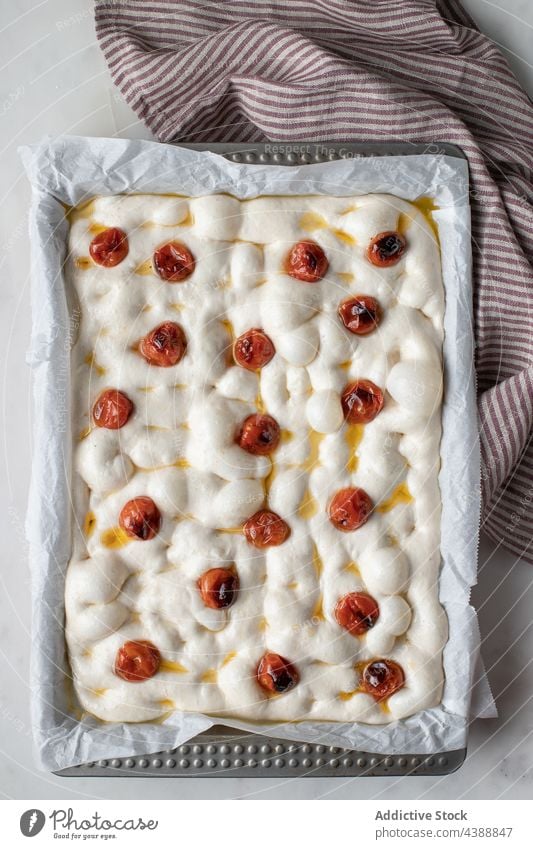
{"points": [[265, 528], [350, 508], [275, 674], [382, 678], [174, 262], [259, 434], [357, 612], [361, 401], [307, 262], [137, 660], [386, 249], [253, 349], [112, 409], [140, 518], [165, 345], [360, 315], [218, 588], [109, 247]]}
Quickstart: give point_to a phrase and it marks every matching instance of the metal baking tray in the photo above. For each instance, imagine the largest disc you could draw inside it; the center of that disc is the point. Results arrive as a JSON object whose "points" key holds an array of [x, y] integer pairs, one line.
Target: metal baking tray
{"points": [[227, 752]]}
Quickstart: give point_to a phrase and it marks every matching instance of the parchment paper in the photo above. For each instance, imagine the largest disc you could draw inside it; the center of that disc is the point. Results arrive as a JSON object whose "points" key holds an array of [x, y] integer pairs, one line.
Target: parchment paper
{"points": [[69, 170]]}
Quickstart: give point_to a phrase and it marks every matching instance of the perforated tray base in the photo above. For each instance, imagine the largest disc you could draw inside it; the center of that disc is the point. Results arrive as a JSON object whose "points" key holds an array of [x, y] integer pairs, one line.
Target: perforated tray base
{"points": [[224, 752], [221, 752]]}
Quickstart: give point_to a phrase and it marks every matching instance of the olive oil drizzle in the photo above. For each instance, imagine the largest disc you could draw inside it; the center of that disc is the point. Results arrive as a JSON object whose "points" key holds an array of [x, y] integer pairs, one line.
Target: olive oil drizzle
{"points": [[114, 538], [426, 206], [353, 434], [401, 495], [173, 666], [89, 524]]}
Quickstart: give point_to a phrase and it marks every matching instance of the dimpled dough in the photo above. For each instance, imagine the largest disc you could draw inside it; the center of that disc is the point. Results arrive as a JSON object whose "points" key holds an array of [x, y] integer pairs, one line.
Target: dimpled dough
{"points": [[178, 448]]}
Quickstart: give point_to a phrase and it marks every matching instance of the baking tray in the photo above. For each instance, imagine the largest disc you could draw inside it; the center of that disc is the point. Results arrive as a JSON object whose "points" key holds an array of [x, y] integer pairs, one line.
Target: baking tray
{"points": [[226, 752]]}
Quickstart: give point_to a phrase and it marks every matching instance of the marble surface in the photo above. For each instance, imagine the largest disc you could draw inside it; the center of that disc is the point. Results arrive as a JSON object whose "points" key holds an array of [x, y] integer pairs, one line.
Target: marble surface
{"points": [[54, 80]]}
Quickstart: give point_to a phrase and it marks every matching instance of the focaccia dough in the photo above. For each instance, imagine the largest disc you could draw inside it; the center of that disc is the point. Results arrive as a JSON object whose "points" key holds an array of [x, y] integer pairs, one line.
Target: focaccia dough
{"points": [[179, 449]]}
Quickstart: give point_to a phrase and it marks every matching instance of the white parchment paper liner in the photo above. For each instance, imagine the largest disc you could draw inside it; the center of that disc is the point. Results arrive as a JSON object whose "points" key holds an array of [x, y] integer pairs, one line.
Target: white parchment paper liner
{"points": [[69, 170]]}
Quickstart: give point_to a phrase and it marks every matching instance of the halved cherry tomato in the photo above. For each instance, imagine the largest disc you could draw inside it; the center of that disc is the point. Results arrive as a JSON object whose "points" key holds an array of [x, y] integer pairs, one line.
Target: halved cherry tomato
{"points": [[218, 588], [173, 262], [259, 434], [112, 409], [350, 508], [275, 674], [140, 518], [381, 678], [360, 315], [307, 262], [361, 401], [357, 612], [109, 247], [165, 345], [137, 660], [253, 350], [386, 249], [265, 529]]}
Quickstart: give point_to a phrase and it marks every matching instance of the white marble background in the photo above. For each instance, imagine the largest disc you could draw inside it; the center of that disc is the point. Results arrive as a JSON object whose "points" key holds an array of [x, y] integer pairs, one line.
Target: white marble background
{"points": [[54, 80]]}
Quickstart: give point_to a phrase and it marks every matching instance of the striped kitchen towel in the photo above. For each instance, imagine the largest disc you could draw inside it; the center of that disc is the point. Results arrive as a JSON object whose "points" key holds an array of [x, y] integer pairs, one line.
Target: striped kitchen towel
{"points": [[340, 70]]}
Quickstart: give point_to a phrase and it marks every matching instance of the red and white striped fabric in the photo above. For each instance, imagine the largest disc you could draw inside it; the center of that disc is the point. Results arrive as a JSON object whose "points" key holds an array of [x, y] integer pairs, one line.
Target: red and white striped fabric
{"points": [[340, 70]]}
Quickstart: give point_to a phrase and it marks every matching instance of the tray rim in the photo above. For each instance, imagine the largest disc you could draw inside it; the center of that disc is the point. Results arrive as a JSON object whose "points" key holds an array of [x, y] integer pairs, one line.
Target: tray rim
{"points": [[323, 149], [285, 153]]}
